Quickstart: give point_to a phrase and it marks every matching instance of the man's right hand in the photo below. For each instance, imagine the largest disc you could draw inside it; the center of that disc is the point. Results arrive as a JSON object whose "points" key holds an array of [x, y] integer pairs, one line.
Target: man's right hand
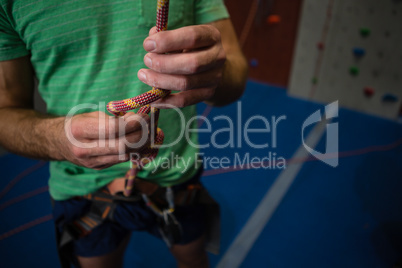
{"points": [[94, 140], [97, 140]]}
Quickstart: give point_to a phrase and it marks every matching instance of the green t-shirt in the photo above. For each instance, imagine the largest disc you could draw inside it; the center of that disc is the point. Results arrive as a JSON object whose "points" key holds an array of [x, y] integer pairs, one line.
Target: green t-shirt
{"points": [[88, 52]]}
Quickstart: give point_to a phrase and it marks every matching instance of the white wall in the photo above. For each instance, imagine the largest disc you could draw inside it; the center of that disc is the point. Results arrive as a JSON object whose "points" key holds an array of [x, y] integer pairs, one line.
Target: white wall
{"points": [[380, 68]]}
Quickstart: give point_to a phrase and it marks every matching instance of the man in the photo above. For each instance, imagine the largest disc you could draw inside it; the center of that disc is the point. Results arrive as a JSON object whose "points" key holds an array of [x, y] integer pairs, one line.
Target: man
{"points": [[85, 54]]}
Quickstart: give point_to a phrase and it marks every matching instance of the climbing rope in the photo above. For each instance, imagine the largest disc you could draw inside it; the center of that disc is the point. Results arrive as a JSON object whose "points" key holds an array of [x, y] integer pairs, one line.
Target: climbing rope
{"points": [[119, 108]]}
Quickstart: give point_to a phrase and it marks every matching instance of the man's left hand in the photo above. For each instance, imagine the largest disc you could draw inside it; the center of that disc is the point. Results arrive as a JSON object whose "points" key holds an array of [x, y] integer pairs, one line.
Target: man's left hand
{"points": [[190, 60]]}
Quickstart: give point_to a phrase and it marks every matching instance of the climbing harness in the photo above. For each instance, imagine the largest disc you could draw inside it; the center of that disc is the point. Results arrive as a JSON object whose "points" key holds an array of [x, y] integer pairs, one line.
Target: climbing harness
{"points": [[103, 204], [169, 228]]}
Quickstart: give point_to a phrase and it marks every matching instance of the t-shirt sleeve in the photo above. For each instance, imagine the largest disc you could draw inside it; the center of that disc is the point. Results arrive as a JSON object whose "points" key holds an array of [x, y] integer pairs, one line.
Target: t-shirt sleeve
{"points": [[11, 45], [210, 10]]}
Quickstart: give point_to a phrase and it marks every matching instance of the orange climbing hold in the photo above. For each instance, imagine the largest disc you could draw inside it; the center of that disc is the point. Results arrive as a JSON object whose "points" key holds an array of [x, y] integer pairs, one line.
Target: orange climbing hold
{"points": [[273, 19]]}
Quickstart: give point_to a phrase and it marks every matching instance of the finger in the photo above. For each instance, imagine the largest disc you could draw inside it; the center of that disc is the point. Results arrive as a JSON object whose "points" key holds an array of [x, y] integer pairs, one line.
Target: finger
{"points": [[190, 37], [185, 98], [180, 82], [88, 125], [117, 127], [186, 63], [128, 114], [135, 122], [83, 127], [152, 31], [135, 141], [104, 145]]}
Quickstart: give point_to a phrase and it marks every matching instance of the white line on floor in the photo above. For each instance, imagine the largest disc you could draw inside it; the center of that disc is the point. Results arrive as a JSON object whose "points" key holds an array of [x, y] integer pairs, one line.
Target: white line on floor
{"points": [[245, 240]]}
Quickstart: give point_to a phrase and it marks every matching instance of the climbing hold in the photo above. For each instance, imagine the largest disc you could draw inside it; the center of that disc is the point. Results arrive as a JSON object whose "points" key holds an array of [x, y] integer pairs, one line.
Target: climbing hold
{"points": [[354, 70], [388, 97], [320, 46], [273, 19], [253, 62], [359, 52], [368, 91], [314, 80], [365, 32]]}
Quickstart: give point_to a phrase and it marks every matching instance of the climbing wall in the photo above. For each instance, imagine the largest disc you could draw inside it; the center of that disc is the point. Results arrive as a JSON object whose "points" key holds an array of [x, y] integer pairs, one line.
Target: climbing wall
{"points": [[350, 51], [270, 40]]}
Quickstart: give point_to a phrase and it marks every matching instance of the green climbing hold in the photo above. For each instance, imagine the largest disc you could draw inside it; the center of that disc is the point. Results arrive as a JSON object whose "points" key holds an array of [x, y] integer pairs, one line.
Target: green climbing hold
{"points": [[314, 80], [354, 70], [365, 32]]}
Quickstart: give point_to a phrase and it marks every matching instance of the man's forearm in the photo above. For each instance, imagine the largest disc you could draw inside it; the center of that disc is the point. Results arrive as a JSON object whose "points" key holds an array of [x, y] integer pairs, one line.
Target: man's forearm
{"points": [[235, 69], [29, 133], [93, 140], [233, 82]]}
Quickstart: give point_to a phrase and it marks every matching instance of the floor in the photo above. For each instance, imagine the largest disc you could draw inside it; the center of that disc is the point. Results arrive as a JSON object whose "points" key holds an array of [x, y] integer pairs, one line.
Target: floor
{"points": [[348, 216]]}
